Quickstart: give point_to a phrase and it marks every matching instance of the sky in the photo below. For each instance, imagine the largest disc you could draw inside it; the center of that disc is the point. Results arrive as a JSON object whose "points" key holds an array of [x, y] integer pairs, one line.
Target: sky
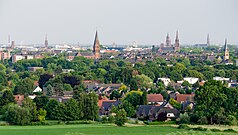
{"points": [[119, 21]]}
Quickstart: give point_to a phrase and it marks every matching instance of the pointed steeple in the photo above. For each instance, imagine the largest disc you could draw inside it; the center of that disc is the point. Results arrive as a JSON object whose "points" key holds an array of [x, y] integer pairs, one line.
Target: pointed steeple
{"points": [[208, 40], [168, 41], [46, 41], [96, 46], [176, 39], [225, 45], [226, 51], [176, 45]]}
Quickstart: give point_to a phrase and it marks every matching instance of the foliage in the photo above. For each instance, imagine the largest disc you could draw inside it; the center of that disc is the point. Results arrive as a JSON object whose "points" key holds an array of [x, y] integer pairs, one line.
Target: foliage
{"points": [[120, 118], [17, 115]]}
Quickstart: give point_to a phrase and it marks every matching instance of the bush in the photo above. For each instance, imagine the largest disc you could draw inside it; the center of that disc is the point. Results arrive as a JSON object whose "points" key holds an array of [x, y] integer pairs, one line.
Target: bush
{"points": [[159, 122], [111, 119], [184, 118], [215, 130], [199, 129], [184, 126], [18, 115], [104, 119], [231, 120], [203, 120], [120, 118], [230, 130]]}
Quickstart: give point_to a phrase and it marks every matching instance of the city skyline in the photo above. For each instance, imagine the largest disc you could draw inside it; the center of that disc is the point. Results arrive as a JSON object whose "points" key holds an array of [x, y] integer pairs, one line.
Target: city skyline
{"points": [[120, 22]]}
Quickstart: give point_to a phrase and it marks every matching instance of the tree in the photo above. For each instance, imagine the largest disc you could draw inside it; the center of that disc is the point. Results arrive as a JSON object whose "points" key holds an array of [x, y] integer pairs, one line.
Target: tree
{"points": [[59, 112], [41, 101], [130, 110], [67, 87], [25, 87], [90, 108], [73, 110], [209, 98], [50, 107], [7, 98], [175, 104], [115, 94], [41, 115], [17, 115], [135, 98], [120, 118], [43, 79], [31, 106], [143, 81]]}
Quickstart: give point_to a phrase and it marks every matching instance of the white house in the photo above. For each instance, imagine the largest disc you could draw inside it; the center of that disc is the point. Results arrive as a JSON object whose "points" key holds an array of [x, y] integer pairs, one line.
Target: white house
{"points": [[37, 89], [221, 78], [191, 80], [166, 81]]}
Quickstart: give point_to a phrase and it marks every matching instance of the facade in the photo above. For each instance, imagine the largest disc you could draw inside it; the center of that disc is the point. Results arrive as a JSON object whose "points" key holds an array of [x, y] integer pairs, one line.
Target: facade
{"points": [[166, 81], [33, 69], [168, 47]]}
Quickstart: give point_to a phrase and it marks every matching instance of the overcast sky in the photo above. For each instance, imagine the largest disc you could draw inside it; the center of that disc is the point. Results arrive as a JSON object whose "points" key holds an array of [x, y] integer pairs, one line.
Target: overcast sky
{"points": [[119, 21]]}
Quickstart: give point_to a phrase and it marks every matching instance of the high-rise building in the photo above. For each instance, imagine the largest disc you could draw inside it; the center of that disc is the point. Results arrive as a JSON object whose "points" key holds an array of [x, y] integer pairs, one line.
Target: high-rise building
{"points": [[96, 47], [46, 41], [226, 52], [13, 45], [168, 41]]}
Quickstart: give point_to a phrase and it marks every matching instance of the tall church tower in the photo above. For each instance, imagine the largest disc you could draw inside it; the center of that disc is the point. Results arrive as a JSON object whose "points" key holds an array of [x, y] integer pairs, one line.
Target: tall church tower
{"points": [[96, 47], [226, 52], [208, 40], [168, 41], [176, 45], [46, 41]]}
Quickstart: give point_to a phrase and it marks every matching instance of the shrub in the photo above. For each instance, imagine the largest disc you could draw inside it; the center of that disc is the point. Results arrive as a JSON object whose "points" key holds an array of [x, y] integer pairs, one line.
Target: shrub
{"points": [[230, 130], [18, 115], [111, 119], [184, 126], [215, 130], [120, 118], [104, 119], [199, 129], [231, 120], [184, 118], [203, 120]]}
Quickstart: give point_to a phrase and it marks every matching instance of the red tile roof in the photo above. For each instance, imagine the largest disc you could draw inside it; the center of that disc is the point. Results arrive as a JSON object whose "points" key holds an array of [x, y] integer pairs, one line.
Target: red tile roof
{"points": [[155, 98], [184, 97]]}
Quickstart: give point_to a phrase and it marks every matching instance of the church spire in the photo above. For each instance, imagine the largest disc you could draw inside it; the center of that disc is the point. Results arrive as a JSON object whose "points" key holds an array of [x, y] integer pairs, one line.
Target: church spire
{"points": [[177, 46], [208, 40], [46, 41], [226, 51], [168, 41], [96, 46]]}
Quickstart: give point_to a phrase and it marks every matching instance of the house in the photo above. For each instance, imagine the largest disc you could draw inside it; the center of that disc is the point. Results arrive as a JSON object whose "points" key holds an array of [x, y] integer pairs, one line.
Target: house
{"points": [[221, 79], [184, 97], [152, 113], [166, 81], [19, 99], [107, 106], [37, 89], [155, 99], [33, 69], [191, 80], [60, 99]]}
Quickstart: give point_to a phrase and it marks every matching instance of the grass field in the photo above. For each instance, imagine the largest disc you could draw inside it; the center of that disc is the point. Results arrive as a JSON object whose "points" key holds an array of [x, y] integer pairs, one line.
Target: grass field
{"points": [[100, 129]]}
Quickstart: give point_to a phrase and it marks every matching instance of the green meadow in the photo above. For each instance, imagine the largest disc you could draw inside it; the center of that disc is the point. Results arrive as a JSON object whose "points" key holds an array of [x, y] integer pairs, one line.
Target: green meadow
{"points": [[101, 129]]}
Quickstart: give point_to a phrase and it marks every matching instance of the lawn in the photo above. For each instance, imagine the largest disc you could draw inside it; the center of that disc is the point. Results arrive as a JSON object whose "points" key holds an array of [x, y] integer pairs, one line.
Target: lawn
{"points": [[99, 129]]}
